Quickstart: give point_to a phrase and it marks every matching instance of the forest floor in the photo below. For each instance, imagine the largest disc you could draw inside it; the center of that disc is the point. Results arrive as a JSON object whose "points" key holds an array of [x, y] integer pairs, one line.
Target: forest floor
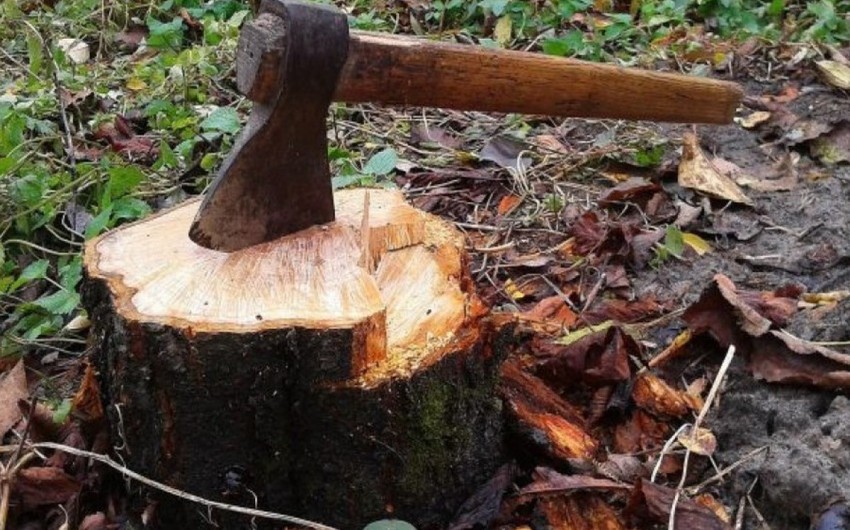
{"points": [[626, 280]]}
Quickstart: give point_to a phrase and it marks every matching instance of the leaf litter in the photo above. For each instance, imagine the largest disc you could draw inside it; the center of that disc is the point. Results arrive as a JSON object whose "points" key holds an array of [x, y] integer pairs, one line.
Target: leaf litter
{"points": [[576, 220]]}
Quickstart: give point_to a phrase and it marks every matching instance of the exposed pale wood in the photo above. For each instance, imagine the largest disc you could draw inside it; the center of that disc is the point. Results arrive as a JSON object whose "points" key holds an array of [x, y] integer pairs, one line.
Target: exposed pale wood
{"points": [[366, 388], [313, 279]]}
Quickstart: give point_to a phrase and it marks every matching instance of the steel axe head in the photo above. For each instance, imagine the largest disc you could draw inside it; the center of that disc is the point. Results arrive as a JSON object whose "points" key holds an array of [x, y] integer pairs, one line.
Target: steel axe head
{"points": [[276, 180]]}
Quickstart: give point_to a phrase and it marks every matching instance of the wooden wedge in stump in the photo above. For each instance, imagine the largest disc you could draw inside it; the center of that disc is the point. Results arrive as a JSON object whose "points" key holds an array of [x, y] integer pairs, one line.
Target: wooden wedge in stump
{"points": [[341, 374]]}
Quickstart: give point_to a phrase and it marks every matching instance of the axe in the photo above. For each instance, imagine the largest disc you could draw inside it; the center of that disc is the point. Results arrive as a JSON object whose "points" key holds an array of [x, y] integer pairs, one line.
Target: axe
{"points": [[295, 58]]}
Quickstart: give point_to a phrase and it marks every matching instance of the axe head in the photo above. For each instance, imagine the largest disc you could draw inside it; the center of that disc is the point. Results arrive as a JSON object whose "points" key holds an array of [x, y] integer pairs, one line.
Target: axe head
{"points": [[276, 179]]}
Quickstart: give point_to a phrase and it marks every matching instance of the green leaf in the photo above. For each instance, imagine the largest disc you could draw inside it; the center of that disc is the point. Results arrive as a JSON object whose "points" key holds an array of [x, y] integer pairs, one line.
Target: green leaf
{"points": [[208, 161], [497, 7], [35, 53], [165, 35], [123, 180], [61, 412], [71, 273], [35, 270], [29, 190], [570, 44], [59, 303], [129, 208], [381, 163], [99, 223], [674, 240], [222, 119]]}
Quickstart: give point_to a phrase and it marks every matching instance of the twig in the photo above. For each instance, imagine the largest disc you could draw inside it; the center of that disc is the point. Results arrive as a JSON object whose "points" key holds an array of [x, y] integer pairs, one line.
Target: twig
{"points": [[178, 493], [715, 388]]}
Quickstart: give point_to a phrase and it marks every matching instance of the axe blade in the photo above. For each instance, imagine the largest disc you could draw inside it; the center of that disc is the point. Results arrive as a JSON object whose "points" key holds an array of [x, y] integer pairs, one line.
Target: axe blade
{"points": [[276, 179]]}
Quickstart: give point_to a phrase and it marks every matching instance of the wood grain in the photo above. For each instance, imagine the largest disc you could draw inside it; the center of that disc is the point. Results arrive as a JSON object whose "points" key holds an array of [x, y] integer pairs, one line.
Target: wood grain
{"points": [[397, 70]]}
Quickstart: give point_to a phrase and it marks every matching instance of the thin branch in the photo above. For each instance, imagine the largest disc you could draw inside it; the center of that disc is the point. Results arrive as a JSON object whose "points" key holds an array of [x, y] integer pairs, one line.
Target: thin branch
{"points": [[178, 493]]}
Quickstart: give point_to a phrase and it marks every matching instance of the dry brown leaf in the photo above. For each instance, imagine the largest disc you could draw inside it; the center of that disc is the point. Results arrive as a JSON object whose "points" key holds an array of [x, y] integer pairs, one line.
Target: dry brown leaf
{"points": [[698, 173], [708, 500], [483, 506], [754, 120], [13, 388], [508, 203], [700, 441], [550, 142], [652, 502], [834, 73], [87, 402], [44, 485]]}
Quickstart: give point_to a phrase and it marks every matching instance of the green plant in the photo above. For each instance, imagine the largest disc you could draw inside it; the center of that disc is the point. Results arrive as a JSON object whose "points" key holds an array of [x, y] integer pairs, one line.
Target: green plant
{"points": [[379, 165]]}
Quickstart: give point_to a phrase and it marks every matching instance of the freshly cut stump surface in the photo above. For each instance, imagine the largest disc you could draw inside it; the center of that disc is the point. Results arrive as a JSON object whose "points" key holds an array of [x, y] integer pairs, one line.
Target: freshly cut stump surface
{"points": [[341, 374]]}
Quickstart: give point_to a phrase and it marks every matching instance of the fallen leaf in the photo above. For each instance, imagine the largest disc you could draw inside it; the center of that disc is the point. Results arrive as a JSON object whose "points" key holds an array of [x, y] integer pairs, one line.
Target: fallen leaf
{"points": [[597, 359], [136, 84], [834, 146], [781, 177], [75, 50], [513, 291], [550, 142], [503, 31], [87, 401], [698, 173], [36, 486], [698, 244], [653, 503], [506, 152], [753, 120], [554, 309], [427, 133], [700, 441], [132, 37], [635, 189], [13, 388], [834, 73], [483, 506], [508, 203], [707, 500], [782, 358], [787, 95]]}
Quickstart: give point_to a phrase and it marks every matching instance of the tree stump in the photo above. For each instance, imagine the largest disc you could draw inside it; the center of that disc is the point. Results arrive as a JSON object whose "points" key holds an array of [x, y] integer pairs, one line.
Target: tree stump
{"points": [[341, 374]]}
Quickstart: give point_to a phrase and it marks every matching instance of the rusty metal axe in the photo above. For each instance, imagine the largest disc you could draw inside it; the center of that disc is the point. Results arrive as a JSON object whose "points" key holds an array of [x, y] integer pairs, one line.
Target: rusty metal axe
{"points": [[295, 58]]}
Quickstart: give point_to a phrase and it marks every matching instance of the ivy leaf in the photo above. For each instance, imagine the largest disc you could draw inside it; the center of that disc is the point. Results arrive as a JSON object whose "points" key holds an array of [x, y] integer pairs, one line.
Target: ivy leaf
{"points": [[222, 119], [381, 163], [129, 208], [34, 271], [99, 223], [164, 35], [123, 180], [59, 303]]}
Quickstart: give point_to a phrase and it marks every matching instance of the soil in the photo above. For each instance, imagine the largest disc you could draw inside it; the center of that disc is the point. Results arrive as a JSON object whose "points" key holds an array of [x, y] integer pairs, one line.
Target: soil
{"points": [[804, 235]]}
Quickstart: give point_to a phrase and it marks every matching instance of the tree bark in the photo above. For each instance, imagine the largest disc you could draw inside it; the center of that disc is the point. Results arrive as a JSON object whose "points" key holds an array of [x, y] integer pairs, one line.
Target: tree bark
{"points": [[342, 374]]}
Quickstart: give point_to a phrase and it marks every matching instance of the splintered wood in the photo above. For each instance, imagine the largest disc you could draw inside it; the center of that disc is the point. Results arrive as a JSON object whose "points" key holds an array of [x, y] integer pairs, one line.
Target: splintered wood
{"points": [[384, 269]]}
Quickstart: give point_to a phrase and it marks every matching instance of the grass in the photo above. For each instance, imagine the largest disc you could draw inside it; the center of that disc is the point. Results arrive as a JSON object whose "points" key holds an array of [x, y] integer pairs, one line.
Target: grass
{"points": [[86, 146]]}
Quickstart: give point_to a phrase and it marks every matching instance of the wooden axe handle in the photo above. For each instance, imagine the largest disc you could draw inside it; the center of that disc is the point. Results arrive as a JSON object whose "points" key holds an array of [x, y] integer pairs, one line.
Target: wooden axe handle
{"points": [[396, 70], [399, 70]]}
